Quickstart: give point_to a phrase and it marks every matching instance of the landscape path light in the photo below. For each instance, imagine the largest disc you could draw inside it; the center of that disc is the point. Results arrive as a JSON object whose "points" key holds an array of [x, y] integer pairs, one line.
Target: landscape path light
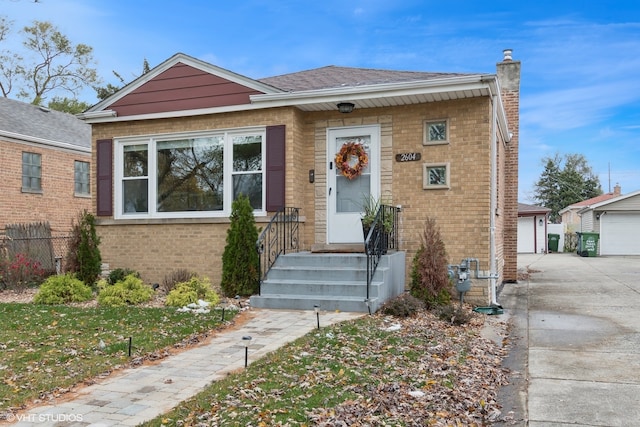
{"points": [[246, 341], [316, 308], [223, 304]]}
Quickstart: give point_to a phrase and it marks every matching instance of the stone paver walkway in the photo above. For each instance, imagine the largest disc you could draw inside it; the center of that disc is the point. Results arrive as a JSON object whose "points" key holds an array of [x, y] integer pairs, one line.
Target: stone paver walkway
{"points": [[136, 395]]}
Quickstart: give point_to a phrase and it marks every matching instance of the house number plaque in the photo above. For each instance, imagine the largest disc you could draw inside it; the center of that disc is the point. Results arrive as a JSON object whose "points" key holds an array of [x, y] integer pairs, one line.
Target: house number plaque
{"points": [[408, 157]]}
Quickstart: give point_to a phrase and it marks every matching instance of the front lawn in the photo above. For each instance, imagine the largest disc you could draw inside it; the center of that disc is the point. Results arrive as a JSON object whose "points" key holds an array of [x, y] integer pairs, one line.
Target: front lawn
{"points": [[45, 350], [373, 371]]}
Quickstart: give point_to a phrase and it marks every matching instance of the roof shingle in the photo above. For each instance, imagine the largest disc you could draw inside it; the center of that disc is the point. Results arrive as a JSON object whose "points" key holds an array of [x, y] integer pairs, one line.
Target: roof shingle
{"points": [[31, 120], [337, 77]]}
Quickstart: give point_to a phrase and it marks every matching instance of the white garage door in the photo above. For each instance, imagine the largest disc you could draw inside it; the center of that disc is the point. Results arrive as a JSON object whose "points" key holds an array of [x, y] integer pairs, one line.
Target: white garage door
{"points": [[526, 235], [620, 234]]}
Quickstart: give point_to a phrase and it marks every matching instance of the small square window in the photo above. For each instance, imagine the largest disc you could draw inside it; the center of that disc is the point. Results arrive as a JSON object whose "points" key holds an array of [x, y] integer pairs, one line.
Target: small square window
{"points": [[435, 176], [436, 132]]}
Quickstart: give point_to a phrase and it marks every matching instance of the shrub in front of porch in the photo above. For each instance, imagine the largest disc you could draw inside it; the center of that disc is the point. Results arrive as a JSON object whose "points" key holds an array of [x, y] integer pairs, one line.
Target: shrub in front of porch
{"points": [[429, 276], [240, 261]]}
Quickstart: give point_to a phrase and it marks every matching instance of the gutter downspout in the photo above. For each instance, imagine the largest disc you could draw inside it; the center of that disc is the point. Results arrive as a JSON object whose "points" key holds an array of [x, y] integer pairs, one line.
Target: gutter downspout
{"points": [[493, 275]]}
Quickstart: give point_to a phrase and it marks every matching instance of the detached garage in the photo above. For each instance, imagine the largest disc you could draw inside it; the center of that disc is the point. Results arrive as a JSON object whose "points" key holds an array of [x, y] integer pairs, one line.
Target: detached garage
{"points": [[532, 229], [617, 221]]}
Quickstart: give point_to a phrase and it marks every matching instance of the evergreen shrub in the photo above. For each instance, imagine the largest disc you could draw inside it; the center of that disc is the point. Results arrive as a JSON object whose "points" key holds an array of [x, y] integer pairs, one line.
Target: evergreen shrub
{"points": [[129, 291], [240, 261], [191, 291], [83, 256], [62, 289], [429, 277]]}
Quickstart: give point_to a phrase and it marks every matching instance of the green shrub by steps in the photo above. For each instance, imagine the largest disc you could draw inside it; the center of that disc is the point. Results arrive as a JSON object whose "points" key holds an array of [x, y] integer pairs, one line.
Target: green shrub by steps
{"points": [[129, 291], [240, 260], [429, 277], [191, 291], [63, 289]]}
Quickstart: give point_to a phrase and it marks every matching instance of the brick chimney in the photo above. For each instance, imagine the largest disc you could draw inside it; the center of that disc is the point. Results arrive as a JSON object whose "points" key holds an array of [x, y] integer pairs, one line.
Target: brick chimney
{"points": [[617, 190], [508, 72]]}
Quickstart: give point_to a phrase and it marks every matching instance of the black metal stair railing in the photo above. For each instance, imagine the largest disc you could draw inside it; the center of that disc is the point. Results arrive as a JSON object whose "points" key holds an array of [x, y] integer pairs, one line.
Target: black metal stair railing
{"points": [[381, 237], [280, 236]]}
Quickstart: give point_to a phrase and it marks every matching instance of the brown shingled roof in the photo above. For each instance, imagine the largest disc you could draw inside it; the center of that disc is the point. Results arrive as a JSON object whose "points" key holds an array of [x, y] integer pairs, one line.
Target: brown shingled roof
{"points": [[524, 209], [334, 77], [593, 200]]}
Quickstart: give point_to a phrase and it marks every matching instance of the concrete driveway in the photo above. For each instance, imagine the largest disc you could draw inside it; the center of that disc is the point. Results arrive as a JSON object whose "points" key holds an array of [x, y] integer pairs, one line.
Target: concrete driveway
{"points": [[576, 341]]}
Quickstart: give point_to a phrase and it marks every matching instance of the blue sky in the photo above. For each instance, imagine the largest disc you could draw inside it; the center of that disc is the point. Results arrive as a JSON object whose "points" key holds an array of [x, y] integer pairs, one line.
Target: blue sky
{"points": [[580, 89]]}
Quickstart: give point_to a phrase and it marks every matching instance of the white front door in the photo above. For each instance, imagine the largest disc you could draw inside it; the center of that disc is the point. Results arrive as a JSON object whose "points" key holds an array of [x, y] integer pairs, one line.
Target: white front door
{"points": [[346, 196]]}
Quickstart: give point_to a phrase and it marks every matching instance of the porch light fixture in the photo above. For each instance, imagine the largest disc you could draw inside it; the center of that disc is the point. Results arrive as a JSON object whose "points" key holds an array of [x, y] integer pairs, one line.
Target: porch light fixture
{"points": [[316, 308], [246, 340], [541, 222], [346, 107]]}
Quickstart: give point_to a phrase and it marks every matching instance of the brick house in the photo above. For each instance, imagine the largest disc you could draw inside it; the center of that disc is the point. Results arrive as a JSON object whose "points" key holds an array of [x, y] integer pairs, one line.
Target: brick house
{"points": [[45, 169], [440, 145]]}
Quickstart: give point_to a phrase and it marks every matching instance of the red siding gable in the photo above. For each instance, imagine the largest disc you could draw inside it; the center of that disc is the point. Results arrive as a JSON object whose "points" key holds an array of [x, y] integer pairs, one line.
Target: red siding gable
{"points": [[179, 88]]}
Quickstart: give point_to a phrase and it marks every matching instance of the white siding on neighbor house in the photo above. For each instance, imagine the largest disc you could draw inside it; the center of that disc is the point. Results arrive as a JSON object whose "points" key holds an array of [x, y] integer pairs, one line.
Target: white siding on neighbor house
{"points": [[620, 233], [587, 222], [629, 204]]}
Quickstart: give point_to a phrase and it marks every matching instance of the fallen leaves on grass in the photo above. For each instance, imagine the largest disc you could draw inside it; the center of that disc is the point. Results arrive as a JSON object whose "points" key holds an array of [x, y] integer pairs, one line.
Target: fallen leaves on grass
{"points": [[373, 371]]}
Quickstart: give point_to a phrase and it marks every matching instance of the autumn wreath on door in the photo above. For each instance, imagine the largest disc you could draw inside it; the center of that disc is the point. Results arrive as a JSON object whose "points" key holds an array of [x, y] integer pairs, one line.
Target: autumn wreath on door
{"points": [[351, 159]]}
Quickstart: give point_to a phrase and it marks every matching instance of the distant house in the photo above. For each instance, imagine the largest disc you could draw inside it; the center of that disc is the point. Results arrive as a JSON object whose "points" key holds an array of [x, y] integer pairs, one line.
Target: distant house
{"points": [[532, 228], [617, 222], [174, 148], [572, 221], [45, 171]]}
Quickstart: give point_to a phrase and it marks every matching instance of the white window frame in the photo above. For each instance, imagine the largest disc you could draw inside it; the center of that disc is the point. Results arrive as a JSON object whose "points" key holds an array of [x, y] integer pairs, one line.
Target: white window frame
{"points": [[151, 142], [425, 176], [427, 134]]}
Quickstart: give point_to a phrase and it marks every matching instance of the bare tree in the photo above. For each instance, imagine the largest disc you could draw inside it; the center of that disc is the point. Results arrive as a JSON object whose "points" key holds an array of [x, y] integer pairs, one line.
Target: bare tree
{"points": [[55, 64], [10, 63]]}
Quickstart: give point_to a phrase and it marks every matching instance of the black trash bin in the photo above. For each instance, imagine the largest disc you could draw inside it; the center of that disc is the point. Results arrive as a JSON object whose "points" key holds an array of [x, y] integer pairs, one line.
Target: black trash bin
{"points": [[553, 241]]}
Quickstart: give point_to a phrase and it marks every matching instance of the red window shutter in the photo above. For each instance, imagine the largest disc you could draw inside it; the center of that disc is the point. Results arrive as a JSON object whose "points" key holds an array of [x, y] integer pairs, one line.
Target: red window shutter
{"points": [[275, 167], [104, 189]]}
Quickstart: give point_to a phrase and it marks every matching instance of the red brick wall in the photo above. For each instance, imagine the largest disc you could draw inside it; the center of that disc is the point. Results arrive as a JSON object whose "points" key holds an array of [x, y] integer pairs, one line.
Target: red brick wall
{"points": [[57, 203]]}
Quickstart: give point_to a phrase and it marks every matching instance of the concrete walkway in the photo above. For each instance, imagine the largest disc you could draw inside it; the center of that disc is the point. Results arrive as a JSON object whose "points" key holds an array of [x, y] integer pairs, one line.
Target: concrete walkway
{"points": [[133, 396], [576, 332]]}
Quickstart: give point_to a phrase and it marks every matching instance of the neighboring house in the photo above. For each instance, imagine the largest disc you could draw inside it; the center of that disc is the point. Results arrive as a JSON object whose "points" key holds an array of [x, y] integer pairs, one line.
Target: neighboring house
{"points": [[570, 218], [45, 171], [617, 220], [532, 229], [172, 149]]}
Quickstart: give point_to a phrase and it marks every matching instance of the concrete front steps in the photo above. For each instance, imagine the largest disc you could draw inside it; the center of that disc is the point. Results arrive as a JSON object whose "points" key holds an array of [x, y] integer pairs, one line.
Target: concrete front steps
{"points": [[333, 281]]}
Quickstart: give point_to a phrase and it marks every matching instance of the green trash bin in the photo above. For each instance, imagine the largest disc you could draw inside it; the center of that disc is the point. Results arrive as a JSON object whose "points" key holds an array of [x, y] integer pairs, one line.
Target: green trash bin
{"points": [[588, 244], [553, 241]]}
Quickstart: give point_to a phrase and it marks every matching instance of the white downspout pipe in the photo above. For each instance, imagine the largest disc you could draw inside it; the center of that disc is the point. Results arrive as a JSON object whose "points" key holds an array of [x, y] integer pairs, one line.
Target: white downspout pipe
{"points": [[493, 275]]}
